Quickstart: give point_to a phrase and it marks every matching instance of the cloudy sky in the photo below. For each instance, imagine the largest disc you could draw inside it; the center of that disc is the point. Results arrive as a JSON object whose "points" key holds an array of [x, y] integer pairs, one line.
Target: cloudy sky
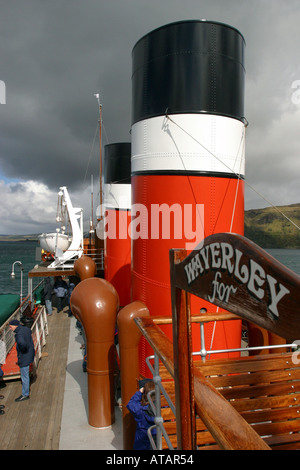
{"points": [[55, 54]]}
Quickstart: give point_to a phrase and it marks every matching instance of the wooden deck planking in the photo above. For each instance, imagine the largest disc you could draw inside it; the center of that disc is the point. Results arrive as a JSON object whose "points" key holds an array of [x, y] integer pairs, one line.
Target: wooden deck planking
{"points": [[35, 424]]}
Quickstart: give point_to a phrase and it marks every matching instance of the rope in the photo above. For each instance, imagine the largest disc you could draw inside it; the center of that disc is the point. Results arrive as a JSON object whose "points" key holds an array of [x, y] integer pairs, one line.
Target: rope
{"points": [[205, 148], [276, 208], [91, 151], [238, 181], [236, 174], [242, 141]]}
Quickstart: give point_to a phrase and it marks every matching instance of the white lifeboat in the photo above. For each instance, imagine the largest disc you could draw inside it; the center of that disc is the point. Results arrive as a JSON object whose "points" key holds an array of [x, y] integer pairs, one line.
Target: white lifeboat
{"points": [[66, 249], [50, 242]]}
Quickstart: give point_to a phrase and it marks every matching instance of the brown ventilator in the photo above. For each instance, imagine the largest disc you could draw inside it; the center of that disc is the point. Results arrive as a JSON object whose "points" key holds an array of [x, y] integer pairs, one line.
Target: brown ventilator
{"points": [[129, 337], [95, 302], [85, 267]]}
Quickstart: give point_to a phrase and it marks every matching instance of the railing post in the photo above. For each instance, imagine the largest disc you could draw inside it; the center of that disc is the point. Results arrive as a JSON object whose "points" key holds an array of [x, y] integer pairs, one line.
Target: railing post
{"points": [[38, 339], [158, 418], [30, 288], [203, 352], [183, 362]]}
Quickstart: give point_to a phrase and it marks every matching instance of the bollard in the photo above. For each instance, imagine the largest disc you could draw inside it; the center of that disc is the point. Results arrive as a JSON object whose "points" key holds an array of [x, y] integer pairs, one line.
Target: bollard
{"points": [[129, 337], [95, 302]]}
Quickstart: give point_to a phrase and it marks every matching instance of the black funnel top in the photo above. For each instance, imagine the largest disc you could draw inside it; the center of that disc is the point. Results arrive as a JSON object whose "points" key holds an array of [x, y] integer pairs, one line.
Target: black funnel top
{"points": [[189, 67]]}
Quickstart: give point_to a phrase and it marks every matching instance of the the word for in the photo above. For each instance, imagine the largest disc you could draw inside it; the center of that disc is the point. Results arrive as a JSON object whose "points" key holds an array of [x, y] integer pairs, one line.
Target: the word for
{"points": [[220, 290]]}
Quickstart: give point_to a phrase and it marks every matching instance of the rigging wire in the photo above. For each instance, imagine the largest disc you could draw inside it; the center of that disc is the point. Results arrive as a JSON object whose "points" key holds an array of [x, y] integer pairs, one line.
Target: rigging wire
{"points": [[242, 142], [236, 174], [91, 151], [241, 145], [239, 177]]}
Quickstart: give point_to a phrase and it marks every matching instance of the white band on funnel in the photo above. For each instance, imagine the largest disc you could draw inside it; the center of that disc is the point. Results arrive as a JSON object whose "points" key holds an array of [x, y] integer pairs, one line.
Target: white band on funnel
{"points": [[117, 196], [204, 143]]}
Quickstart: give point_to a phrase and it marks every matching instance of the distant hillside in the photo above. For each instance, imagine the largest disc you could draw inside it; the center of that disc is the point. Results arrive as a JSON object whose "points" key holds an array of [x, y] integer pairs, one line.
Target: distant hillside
{"points": [[18, 238], [266, 227], [269, 229]]}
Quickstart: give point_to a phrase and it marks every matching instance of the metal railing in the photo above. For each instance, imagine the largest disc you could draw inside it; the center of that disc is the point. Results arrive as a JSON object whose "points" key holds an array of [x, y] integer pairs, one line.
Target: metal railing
{"points": [[39, 331], [97, 255], [203, 352], [39, 328], [156, 406], [154, 397]]}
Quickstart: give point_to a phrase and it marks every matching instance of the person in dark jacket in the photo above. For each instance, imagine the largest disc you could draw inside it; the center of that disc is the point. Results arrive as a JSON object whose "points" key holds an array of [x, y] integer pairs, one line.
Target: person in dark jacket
{"points": [[71, 287], [1, 396], [139, 406], [60, 290], [48, 295], [25, 353]]}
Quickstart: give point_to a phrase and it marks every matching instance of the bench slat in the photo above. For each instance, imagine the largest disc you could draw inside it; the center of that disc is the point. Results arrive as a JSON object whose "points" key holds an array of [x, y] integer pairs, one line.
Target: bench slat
{"points": [[260, 390], [265, 390], [253, 378], [246, 364]]}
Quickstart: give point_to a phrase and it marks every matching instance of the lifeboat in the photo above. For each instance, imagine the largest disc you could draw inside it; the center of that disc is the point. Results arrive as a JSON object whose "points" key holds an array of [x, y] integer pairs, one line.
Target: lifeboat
{"points": [[50, 242]]}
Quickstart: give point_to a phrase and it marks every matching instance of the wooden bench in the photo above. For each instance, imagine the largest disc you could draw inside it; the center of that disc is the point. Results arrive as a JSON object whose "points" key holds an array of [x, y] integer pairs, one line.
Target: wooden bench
{"points": [[206, 406], [265, 390], [249, 403]]}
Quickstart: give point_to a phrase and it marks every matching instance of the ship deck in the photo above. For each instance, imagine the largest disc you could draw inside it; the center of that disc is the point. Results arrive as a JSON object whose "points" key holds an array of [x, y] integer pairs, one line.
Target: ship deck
{"points": [[56, 415]]}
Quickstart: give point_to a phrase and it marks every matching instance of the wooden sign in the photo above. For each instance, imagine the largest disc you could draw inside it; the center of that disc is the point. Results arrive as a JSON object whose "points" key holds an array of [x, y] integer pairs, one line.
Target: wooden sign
{"points": [[232, 272]]}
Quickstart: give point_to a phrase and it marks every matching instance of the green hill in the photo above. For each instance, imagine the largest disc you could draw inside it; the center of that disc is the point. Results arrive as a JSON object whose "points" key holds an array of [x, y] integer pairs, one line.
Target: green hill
{"points": [[270, 229], [19, 238]]}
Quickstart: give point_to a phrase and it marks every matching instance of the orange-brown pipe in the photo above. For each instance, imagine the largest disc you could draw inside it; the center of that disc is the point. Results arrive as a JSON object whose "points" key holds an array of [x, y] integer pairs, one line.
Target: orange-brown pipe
{"points": [[129, 336], [95, 302]]}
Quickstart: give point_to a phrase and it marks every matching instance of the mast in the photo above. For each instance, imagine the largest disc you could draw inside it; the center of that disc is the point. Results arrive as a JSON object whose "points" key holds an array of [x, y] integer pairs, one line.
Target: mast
{"points": [[100, 149], [92, 199], [92, 205]]}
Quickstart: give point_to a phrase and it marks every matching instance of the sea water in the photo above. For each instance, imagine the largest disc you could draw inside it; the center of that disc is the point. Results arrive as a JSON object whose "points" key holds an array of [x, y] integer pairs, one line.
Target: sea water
{"points": [[290, 258], [28, 253]]}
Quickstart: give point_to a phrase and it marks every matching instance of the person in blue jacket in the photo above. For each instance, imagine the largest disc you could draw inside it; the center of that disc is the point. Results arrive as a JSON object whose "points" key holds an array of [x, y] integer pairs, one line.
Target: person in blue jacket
{"points": [[60, 289], [139, 406], [25, 353]]}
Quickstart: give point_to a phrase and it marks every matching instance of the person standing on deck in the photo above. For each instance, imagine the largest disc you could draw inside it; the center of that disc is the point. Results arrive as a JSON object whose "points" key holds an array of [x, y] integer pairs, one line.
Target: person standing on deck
{"points": [[2, 361], [1, 396], [25, 352], [48, 295], [60, 290], [70, 290]]}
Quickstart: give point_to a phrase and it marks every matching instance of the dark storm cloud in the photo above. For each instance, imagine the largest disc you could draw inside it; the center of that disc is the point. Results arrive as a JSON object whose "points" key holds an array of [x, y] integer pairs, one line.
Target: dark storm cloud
{"points": [[52, 66]]}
